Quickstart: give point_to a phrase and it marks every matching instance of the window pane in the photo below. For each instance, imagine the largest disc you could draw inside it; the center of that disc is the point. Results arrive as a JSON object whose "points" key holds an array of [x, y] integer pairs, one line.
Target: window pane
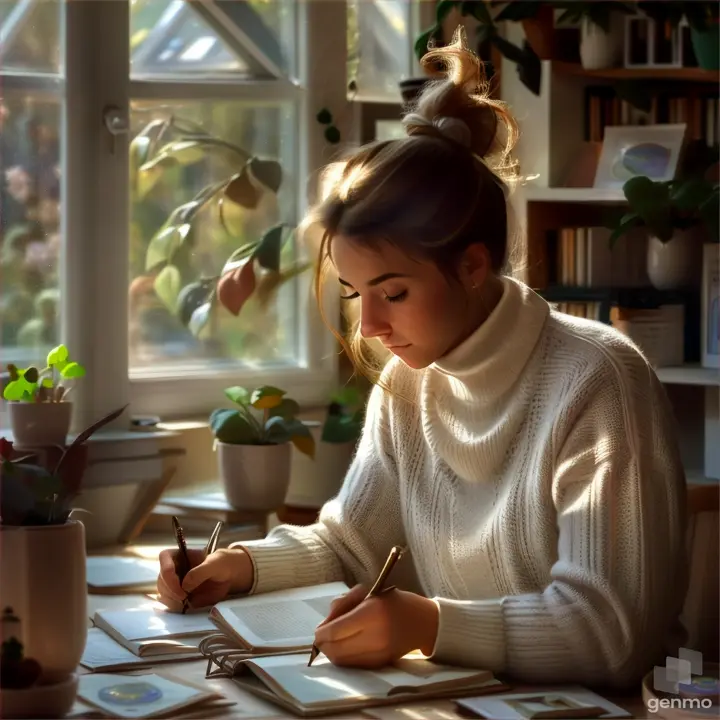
{"points": [[379, 47], [30, 35], [171, 37], [29, 227], [162, 330]]}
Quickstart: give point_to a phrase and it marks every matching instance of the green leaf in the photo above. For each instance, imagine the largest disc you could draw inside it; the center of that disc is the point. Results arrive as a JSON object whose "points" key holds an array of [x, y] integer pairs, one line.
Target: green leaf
{"points": [[239, 256], [73, 370], [627, 223], [47, 383], [690, 194], [443, 9], [277, 430], [478, 10], [31, 375], [18, 390], [16, 498], [57, 357], [191, 297], [167, 286], [238, 395], [266, 397], [232, 427], [341, 429], [423, 40], [301, 437], [268, 252], [651, 201], [164, 244], [200, 318], [518, 10], [268, 173], [287, 409]]}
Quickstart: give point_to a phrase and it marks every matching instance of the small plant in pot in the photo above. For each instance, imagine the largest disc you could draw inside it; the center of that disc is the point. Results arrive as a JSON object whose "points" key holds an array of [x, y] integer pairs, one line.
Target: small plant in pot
{"points": [[345, 417], [40, 412], [42, 559], [253, 442], [672, 212]]}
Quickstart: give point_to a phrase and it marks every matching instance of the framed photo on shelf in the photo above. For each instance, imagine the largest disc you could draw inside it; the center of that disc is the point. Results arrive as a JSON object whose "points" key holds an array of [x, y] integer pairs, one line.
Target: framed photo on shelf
{"points": [[632, 150], [711, 306]]}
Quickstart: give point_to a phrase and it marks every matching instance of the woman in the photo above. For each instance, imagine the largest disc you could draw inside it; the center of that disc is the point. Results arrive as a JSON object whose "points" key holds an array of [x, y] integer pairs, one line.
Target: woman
{"points": [[526, 458]]}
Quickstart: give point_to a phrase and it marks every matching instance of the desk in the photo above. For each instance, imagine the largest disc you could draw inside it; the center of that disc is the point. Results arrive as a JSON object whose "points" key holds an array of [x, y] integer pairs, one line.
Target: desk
{"points": [[249, 706]]}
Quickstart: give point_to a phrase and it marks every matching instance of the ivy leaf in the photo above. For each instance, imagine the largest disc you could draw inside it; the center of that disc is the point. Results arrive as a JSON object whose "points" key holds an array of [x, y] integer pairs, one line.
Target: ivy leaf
{"points": [[167, 286], [73, 370], [266, 397], [238, 395], [233, 428], [164, 244]]}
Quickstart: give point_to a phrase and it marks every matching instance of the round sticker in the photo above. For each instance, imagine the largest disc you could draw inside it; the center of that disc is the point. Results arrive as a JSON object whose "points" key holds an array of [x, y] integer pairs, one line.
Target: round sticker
{"points": [[130, 693]]}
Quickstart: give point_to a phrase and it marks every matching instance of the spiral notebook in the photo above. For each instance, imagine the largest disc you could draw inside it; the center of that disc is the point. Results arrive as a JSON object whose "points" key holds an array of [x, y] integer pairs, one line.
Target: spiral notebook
{"points": [[325, 689]]}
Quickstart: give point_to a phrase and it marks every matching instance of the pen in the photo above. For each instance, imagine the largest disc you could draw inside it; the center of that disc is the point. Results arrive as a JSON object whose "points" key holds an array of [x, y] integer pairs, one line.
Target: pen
{"points": [[182, 560], [378, 587]]}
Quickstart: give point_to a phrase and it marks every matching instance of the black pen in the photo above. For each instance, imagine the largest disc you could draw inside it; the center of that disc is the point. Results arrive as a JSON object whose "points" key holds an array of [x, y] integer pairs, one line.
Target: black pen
{"points": [[182, 561], [378, 587]]}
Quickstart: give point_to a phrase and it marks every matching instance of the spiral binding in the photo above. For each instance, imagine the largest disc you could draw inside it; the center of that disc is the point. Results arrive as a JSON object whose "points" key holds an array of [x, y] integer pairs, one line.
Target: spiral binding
{"points": [[224, 651]]}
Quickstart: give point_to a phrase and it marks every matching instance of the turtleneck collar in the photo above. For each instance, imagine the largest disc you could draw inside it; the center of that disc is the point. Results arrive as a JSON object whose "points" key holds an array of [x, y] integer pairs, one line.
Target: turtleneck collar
{"points": [[499, 349]]}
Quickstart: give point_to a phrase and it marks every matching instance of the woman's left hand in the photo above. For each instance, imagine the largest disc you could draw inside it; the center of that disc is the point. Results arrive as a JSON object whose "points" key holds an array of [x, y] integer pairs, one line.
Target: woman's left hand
{"points": [[375, 632]]}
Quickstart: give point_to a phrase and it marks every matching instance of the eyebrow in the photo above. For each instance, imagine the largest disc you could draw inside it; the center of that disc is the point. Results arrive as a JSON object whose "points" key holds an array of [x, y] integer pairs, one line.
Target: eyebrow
{"points": [[377, 280]]}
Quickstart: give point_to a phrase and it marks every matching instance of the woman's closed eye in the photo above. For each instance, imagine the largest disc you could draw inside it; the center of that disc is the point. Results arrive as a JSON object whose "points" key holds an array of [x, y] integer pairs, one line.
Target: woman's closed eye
{"points": [[390, 298]]}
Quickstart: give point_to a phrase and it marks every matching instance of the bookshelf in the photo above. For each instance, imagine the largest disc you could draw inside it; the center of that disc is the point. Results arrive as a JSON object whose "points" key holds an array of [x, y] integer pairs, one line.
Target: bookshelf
{"points": [[556, 132]]}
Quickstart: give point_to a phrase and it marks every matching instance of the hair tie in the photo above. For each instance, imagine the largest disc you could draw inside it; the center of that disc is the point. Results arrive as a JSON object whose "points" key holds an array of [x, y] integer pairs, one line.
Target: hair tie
{"points": [[450, 127]]}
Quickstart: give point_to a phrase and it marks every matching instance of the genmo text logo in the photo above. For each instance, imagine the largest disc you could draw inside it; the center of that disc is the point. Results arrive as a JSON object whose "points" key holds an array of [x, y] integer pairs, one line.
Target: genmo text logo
{"points": [[683, 681]]}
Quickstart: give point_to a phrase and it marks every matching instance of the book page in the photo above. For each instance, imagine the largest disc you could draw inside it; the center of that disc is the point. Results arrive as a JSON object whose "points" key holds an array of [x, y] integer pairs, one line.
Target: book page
{"points": [[118, 572], [324, 682], [285, 619], [134, 625]]}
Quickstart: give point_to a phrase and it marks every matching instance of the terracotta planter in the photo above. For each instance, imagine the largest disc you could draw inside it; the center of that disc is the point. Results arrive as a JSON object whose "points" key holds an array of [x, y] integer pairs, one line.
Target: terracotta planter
{"points": [[40, 424], [42, 578], [255, 477]]}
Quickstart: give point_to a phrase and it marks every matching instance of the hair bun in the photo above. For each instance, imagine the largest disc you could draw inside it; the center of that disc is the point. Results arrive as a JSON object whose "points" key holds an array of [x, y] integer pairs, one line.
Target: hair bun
{"points": [[457, 104]]}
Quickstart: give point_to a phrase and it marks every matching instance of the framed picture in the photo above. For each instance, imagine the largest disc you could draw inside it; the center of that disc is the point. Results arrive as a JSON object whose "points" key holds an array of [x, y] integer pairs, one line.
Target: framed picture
{"points": [[711, 306], [632, 150]]}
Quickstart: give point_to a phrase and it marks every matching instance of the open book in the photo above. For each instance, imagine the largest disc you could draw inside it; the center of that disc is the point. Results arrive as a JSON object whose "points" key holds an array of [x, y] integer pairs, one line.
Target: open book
{"points": [[278, 621], [326, 689], [156, 632]]}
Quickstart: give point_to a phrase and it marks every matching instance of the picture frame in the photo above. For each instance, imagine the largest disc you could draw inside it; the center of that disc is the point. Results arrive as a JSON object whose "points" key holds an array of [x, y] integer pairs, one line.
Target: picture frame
{"points": [[710, 306], [631, 150]]}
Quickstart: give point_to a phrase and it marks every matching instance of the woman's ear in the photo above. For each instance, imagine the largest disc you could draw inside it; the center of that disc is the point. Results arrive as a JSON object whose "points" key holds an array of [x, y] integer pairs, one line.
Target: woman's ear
{"points": [[475, 265]]}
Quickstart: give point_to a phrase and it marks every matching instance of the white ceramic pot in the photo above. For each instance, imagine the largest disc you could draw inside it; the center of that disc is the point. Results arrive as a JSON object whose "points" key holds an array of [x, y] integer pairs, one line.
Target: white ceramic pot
{"points": [[42, 578], [40, 424], [675, 264], [314, 482], [255, 477], [599, 49]]}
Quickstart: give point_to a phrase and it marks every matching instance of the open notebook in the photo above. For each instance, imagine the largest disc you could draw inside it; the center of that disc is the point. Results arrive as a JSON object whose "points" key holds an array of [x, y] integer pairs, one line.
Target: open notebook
{"points": [[276, 621], [325, 689]]}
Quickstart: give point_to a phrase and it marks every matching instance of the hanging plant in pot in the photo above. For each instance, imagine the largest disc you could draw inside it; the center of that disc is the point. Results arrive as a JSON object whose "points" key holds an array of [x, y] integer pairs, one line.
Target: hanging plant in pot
{"points": [[42, 571], [40, 413], [674, 213], [253, 442]]}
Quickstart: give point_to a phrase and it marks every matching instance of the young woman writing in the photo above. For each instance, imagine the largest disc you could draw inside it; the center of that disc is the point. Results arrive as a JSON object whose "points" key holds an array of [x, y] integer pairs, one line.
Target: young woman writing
{"points": [[525, 458]]}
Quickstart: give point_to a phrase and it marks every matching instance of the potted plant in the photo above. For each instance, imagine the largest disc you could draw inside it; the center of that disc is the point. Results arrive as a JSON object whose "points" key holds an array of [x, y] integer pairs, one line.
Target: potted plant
{"points": [[702, 17], [314, 481], [40, 412], [253, 442], [672, 212], [601, 30], [42, 561]]}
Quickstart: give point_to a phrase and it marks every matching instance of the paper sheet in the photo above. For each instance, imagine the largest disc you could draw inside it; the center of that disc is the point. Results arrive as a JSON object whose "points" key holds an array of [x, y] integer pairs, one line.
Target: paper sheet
{"points": [[105, 571], [137, 625]]}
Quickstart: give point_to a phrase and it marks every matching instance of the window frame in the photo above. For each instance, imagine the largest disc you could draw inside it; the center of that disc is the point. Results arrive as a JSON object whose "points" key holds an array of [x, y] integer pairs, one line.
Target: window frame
{"points": [[95, 209]]}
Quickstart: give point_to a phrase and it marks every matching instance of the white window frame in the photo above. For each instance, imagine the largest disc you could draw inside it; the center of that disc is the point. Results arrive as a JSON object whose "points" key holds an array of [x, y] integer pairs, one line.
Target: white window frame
{"points": [[95, 209]]}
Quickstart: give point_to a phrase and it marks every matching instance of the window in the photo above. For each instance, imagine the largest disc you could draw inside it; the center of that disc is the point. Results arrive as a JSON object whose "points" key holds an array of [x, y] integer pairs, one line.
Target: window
{"points": [[113, 116], [380, 47]]}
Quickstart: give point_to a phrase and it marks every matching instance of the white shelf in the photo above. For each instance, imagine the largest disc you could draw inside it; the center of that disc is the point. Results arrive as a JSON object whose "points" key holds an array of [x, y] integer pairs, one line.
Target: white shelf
{"points": [[534, 193], [689, 375]]}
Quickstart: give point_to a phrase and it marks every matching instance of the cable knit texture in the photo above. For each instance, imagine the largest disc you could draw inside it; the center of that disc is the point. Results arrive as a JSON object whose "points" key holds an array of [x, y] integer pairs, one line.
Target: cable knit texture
{"points": [[535, 479]]}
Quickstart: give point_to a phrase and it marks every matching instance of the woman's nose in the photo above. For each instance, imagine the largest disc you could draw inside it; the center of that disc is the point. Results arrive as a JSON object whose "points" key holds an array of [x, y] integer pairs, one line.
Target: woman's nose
{"points": [[372, 322]]}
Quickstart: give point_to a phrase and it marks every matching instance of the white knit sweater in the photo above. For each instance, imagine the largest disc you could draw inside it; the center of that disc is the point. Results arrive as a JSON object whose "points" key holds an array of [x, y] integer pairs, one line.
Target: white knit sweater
{"points": [[535, 479]]}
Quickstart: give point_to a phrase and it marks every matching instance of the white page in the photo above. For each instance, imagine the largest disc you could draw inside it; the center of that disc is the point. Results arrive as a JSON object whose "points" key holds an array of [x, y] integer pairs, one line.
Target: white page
{"points": [[135, 625], [116, 571], [280, 619], [103, 652], [135, 696]]}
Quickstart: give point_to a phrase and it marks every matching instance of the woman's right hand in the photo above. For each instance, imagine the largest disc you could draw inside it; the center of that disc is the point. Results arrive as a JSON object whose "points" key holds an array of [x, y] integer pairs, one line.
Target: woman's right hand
{"points": [[210, 579]]}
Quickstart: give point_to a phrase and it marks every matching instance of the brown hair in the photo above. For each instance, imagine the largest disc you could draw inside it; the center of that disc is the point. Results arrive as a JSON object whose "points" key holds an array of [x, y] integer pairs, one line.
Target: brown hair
{"points": [[434, 193]]}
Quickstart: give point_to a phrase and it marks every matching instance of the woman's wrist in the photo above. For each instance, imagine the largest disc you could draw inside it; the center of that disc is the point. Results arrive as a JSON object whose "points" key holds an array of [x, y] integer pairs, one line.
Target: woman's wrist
{"points": [[430, 624], [243, 571]]}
